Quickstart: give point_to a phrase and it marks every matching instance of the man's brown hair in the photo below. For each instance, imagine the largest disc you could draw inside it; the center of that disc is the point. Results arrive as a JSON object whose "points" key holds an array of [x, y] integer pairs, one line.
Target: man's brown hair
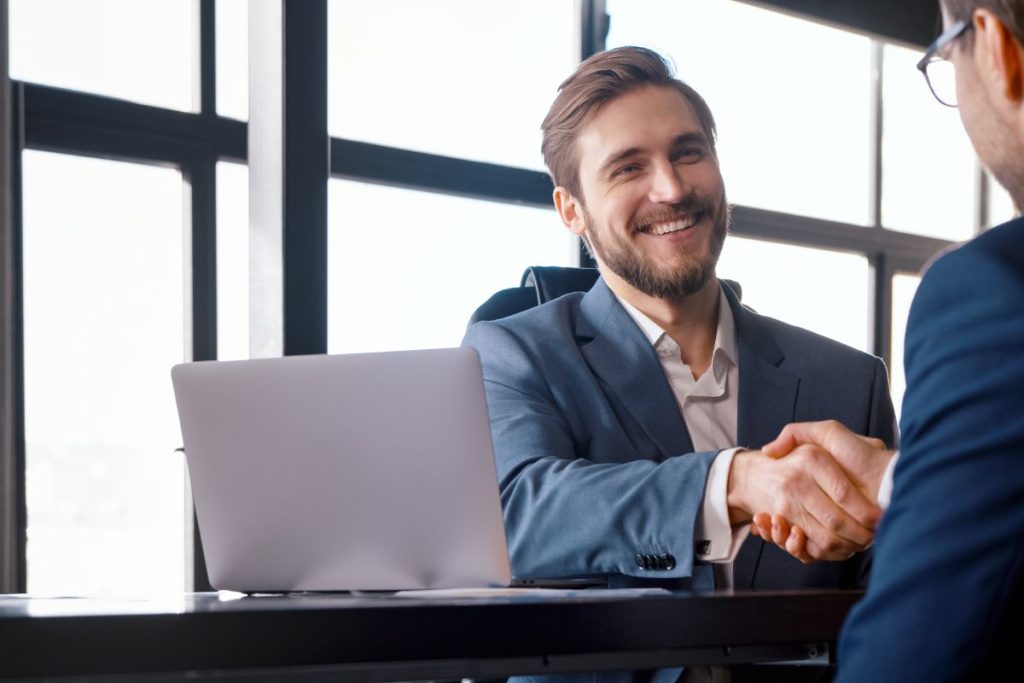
{"points": [[1010, 12], [597, 81]]}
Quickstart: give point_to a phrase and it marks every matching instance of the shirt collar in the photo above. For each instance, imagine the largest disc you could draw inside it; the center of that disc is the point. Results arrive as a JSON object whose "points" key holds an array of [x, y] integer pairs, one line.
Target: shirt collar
{"points": [[725, 335]]}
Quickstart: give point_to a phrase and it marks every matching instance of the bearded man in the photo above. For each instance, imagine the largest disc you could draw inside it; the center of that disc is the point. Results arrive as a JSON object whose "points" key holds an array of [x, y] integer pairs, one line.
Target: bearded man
{"points": [[618, 414]]}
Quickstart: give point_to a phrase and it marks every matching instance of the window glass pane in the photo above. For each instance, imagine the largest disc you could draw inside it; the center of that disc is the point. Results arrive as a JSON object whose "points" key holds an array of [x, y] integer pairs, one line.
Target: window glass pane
{"points": [[104, 323], [793, 128], [450, 77], [407, 269], [232, 261], [925, 155], [139, 50], [233, 58], [904, 286], [1000, 205], [823, 291]]}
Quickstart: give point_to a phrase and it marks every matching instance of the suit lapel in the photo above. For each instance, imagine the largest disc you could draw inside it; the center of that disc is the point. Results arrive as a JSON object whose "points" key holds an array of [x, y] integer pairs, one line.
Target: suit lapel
{"points": [[619, 353], [767, 403], [767, 400], [621, 356]]}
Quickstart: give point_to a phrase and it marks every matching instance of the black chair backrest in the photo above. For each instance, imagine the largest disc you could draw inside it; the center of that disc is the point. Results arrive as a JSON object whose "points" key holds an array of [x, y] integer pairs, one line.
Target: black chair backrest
{"points": [[540, 284]]}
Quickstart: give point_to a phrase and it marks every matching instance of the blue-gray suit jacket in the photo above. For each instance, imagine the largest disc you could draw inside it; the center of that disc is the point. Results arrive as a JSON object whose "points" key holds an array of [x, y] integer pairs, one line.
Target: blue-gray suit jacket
{"points": [[595, 463]]}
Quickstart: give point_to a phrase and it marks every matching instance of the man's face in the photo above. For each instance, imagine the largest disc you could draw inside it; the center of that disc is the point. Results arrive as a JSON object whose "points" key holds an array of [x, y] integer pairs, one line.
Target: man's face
{"points": [[971, 105], [653, 204]]}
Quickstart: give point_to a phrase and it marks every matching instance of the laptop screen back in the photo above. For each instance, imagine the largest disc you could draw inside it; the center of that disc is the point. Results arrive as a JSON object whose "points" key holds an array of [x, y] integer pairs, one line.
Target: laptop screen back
{"points": [[354, 472]]}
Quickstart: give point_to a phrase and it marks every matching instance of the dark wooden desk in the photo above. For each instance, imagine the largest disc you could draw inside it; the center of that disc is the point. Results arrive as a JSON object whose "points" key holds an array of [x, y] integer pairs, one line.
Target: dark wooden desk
{"points": [[328, 637]]}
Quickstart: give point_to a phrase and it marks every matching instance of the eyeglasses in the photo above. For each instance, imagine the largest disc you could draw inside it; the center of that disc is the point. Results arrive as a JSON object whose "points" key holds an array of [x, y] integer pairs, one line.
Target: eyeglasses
{"points": [[938, 71]]}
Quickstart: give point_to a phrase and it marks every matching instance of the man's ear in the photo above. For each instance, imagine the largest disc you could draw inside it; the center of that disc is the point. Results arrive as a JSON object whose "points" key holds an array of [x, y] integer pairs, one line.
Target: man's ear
{"points": [[1002, 55], [570, 210]]}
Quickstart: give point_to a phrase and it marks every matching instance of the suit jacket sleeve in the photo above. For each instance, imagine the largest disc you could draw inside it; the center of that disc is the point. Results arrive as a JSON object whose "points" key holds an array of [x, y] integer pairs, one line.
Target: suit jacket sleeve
{"points": [[949, 548], [566, 515]]}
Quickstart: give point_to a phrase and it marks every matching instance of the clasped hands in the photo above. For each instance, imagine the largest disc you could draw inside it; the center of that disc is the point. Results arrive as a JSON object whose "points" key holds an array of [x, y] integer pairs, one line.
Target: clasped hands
{"points": [[812, 491]]}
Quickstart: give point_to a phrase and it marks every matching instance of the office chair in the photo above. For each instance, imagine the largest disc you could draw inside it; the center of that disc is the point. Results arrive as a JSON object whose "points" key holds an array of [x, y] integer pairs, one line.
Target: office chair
{"points": [[540, 284]]}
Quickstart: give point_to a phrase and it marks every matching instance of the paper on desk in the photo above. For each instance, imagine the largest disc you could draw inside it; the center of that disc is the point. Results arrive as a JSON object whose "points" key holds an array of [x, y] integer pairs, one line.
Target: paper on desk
{"points": [[595, 593]]}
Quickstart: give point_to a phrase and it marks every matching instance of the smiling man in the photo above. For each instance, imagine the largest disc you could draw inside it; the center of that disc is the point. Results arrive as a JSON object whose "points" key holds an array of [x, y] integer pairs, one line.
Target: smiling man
{"points": [[617, 414]]}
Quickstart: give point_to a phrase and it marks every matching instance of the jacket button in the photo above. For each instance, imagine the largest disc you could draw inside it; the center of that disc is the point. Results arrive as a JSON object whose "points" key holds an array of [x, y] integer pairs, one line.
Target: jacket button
{"points": [[668, 561]]}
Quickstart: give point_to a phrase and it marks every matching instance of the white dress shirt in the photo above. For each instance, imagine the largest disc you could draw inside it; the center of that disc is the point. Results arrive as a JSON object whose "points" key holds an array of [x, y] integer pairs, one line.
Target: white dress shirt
{"points": [[709, 407], [885, 487]]}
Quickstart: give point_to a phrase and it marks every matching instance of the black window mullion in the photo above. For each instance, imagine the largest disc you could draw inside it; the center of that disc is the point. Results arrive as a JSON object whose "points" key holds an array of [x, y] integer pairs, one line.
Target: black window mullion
{"points": [[880, 322], [13, 514], [366, 162], [81, 123], [594, 24], [207, 58], [201, 233]]}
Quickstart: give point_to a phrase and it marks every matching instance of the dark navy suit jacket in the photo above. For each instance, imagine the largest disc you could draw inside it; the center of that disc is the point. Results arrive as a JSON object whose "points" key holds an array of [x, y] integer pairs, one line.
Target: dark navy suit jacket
{"points": [[944, 603], [596, 466]]}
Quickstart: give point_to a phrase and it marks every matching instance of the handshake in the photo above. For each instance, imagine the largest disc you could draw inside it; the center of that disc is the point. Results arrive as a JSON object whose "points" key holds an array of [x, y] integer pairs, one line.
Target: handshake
{"points": [[813, 491]]}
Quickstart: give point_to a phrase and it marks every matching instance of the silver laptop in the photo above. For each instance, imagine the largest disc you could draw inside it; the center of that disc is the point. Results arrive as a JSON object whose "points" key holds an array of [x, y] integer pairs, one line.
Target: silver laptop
{"points": [[352, 472]]}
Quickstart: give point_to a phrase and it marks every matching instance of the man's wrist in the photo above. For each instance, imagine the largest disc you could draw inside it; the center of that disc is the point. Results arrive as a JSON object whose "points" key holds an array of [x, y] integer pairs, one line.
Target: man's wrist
{"points": [[735, 497], [883, 492]]}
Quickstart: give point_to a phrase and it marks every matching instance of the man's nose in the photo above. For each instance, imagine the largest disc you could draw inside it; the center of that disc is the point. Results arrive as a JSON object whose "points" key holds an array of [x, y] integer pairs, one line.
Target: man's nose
{"points": [[667, 186]]}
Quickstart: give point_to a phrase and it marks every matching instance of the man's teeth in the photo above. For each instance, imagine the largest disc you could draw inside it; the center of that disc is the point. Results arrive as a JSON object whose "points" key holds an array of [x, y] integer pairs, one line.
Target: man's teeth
{"points": [[674, 226]]}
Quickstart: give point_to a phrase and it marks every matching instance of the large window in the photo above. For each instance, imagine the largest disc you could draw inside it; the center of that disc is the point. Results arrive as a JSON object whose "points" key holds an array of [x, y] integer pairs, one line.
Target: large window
{"points": [[443, 77], [454, 253], [104, 316], [233, 58], [823, 291], [926, 154], [138, 50]]}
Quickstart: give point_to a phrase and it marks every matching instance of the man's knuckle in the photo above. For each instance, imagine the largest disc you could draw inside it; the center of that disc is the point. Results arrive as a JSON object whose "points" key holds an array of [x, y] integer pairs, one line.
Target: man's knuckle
{"points": [[834, 546], [842, 490], [833, 522]]}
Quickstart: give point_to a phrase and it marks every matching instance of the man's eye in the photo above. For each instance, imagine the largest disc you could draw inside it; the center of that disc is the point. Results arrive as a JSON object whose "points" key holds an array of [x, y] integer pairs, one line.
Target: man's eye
{"points": [[690, 154], [626, 170]]}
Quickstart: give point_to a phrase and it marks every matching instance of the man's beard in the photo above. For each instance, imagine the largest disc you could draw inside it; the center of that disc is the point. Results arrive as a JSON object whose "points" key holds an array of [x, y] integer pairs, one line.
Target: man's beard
{"points": [[673, 284]]}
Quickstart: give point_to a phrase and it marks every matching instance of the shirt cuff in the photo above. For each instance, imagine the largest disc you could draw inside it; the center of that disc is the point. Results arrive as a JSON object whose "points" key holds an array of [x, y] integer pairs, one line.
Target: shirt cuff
{"points": [[717, 541], [885, 488]]}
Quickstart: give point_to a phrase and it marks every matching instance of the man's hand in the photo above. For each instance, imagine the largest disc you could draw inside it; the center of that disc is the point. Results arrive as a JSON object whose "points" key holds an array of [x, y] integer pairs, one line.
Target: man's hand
{"points": [[808, 489], [776, 529], [863, 458]]}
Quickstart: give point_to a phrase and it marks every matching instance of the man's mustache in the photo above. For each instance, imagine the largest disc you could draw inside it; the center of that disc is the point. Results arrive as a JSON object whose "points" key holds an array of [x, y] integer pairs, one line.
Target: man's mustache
{"points": [[693, 203]]}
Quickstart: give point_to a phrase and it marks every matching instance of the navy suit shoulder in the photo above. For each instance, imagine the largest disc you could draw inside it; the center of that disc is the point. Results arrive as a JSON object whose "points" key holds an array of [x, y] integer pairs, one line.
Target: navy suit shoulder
{"points": [[945, 594]]}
